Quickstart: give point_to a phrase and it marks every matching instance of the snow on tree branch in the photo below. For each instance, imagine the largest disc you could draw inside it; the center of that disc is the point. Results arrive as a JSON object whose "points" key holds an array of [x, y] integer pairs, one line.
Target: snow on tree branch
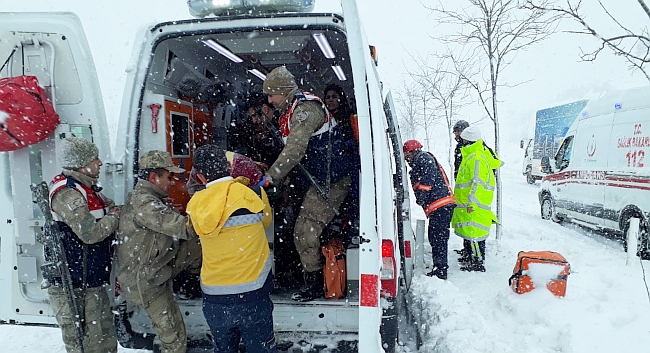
{"points": [[633, 46]]}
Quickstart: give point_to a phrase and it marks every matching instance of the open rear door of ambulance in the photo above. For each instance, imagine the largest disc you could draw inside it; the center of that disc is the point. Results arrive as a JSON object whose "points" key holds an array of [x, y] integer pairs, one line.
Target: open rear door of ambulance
{"points": [[370, 113], [53, 48]]}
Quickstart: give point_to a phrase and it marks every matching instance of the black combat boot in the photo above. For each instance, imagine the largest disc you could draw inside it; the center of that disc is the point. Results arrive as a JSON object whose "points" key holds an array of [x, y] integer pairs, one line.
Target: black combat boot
{"points": [[313, 288], [440, 272], [474, 266], [465, 259]]}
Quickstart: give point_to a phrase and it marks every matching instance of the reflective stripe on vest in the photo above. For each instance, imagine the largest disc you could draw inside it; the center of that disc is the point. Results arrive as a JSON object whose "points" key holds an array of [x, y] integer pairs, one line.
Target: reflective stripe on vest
{"points": [[285, 119], [473, 184], [439, 203], [420, 186]]}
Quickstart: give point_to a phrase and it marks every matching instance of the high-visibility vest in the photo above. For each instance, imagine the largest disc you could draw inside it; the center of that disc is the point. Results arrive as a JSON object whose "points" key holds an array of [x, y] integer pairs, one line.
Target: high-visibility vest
{"points": [[475, 185]]}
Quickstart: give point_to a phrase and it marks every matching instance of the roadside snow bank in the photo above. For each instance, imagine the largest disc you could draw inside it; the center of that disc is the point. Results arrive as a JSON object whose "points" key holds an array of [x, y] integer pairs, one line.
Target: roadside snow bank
{"points": [[606, 308]]}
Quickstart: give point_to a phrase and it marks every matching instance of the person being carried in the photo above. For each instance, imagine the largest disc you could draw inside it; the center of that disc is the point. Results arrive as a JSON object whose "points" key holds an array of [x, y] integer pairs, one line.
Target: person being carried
{"points": [[311, 138], [242, 168], [88, 220], [432, 192], [474, 191], [155, 245], [236, 276]]}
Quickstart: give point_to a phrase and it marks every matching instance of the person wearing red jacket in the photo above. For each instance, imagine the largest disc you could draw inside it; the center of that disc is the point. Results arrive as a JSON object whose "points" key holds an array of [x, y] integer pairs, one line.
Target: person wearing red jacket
{"points": [[434, 193]]}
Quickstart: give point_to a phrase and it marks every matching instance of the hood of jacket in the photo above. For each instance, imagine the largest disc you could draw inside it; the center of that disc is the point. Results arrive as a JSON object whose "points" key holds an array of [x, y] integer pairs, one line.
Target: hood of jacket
{"points": [[479, 148], [211, 207]]}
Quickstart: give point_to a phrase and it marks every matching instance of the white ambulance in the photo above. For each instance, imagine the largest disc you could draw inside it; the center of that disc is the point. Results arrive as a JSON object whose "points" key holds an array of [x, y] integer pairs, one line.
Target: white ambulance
{"points": [[599, 177], [184, 87]]}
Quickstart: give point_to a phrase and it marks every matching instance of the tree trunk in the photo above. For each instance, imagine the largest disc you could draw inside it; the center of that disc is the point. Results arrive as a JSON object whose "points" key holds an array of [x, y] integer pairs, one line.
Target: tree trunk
{"points": [[497, 174]]}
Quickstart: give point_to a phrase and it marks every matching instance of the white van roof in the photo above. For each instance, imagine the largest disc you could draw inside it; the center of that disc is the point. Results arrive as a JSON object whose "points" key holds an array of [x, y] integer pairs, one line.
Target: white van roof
{"points": [[617, 100]]}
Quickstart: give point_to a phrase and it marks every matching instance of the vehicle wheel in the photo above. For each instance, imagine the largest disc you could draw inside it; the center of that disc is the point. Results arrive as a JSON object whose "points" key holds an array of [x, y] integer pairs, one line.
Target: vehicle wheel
{"points": [[643, 241], [530, 179], [548, 210]]}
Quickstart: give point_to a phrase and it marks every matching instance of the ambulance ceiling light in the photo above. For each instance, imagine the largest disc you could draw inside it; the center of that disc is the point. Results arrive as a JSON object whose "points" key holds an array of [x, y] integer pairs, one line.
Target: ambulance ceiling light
{"points": [[324, 45], [222, 50], [617, 106], [339, 72], [202, 8], [258, 73]]}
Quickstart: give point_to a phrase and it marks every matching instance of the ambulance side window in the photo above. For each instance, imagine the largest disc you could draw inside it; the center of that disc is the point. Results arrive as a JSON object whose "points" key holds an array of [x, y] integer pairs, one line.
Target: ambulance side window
{"points": [[180, 134], [564, 154]]}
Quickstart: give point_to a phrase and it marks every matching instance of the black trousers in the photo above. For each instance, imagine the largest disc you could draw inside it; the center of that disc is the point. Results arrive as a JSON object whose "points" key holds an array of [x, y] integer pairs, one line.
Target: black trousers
{"points": [[467, 246], [439, 223]]}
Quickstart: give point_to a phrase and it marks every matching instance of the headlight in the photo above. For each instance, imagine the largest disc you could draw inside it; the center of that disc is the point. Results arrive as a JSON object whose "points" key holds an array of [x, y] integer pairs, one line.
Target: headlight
{"points": [[202, 8]]}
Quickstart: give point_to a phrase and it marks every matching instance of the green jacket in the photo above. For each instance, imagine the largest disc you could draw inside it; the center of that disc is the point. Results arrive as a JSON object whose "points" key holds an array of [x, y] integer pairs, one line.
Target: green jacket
{"points": [[475, 185]]}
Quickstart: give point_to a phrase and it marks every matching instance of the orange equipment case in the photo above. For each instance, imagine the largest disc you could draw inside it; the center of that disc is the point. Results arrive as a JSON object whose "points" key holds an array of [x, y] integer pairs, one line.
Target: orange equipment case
{"points": [[521, 283]]}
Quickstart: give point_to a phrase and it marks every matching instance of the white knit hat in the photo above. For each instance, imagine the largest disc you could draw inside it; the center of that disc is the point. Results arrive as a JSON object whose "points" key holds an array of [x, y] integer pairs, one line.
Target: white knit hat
{"points": [[76, 152], [471, 133]]}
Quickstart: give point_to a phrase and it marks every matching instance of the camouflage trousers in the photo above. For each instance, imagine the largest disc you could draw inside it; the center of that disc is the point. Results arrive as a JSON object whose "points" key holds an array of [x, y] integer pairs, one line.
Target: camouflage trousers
{"points": [[161, 306], [314, 216], [100, 329]]}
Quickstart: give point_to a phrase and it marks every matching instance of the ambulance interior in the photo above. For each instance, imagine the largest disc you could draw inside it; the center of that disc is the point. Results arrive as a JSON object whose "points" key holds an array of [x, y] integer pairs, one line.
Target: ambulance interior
{"points": [[205, 82]]}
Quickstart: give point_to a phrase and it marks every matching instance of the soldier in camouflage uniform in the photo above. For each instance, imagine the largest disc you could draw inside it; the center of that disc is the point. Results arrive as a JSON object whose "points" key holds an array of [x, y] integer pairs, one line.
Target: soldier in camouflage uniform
{"points": [[154, 245], [312, 138], [88, 220]]}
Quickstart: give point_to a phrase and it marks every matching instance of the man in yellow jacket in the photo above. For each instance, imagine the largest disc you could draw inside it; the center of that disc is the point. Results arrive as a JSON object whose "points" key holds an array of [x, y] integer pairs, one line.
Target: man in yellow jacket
{"points": [[236, 277], [474, 191]]}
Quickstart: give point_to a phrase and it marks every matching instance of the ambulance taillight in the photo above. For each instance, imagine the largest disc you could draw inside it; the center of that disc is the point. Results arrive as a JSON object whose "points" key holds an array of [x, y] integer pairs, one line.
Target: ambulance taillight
{"points": [[388, 268]]}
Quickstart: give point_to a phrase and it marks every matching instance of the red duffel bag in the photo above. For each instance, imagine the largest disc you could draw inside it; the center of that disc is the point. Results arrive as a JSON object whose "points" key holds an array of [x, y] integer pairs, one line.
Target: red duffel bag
{"points": [[26, 116]]}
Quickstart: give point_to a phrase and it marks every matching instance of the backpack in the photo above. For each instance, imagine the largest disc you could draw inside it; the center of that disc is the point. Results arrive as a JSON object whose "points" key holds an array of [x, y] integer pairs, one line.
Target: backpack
{"points": [[555, 276], [26, 116], [334, 270]]}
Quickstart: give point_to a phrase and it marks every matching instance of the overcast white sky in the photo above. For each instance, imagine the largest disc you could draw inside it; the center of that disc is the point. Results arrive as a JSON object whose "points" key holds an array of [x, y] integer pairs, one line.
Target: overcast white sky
{"points": [[552, 71]]}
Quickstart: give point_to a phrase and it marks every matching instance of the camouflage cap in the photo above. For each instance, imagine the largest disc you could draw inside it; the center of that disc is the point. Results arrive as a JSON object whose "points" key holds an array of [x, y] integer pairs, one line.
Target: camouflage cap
{"points": [[159, 159]]}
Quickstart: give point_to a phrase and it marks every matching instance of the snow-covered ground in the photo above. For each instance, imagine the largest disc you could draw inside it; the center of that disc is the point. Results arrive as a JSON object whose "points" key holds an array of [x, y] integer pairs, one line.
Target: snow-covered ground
{"points": [[606, 308]]}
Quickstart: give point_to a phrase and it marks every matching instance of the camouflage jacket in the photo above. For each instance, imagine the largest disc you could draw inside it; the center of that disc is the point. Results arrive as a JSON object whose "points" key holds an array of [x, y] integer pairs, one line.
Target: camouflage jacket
{"points": [[307, 117], [72, 209], [147, 241]]}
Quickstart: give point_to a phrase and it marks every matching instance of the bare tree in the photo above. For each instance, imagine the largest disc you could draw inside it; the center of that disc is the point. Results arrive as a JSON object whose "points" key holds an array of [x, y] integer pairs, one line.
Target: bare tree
{"points": [[441, 80], [408, 107], [416, 113], [633, 46], [429, 117], [499, 29]]}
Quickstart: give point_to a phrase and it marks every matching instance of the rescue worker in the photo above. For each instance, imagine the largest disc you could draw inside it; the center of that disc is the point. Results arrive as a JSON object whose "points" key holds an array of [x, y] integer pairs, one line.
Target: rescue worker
{"points": [[474, 191], [466, 252], [88, 219], [236, 278], [311, 138], [433, 192], [155, 245], [459, 126]]}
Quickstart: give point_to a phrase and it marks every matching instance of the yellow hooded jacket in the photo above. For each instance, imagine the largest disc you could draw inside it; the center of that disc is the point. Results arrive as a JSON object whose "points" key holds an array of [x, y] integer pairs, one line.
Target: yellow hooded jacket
{"points": [[230, 218]]}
